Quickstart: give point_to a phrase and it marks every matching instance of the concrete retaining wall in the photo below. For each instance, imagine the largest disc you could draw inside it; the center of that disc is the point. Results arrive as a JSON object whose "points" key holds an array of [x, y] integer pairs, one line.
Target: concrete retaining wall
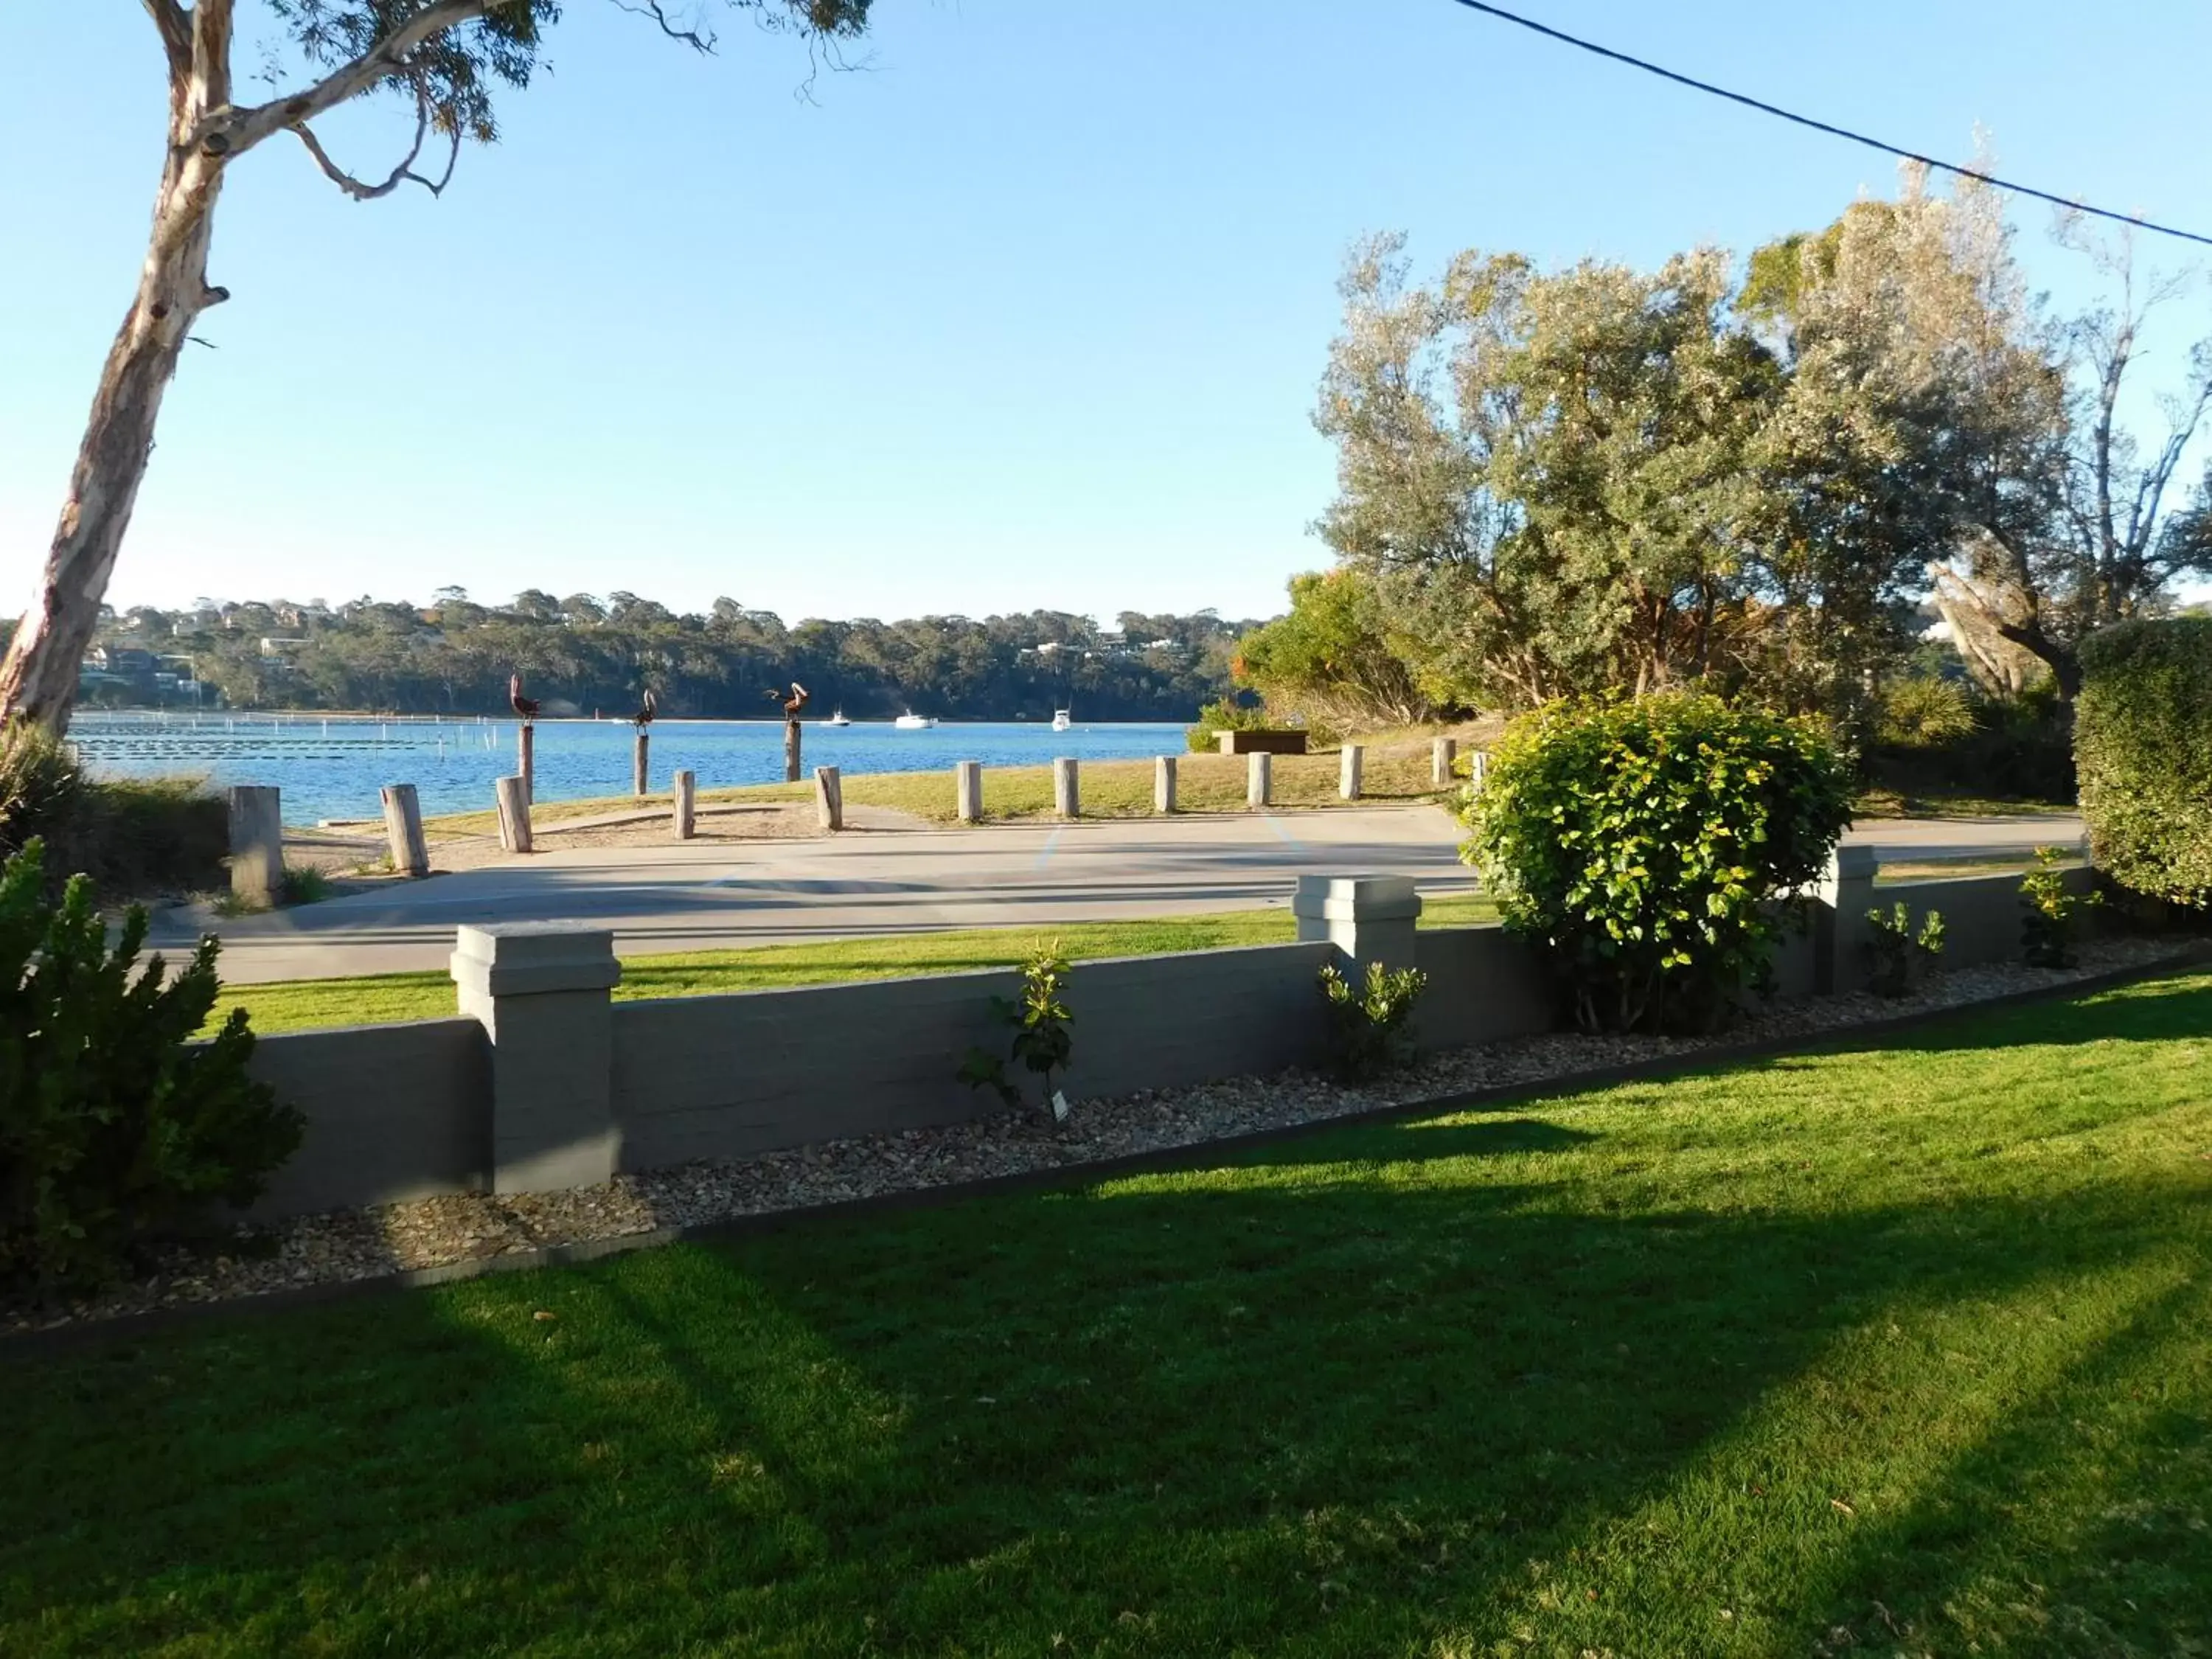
{"points": [[399, 1112]]}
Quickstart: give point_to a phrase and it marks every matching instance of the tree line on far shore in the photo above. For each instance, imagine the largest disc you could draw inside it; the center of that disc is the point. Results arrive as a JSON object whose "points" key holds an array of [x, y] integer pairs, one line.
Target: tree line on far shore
{"points": [[585, 654]]}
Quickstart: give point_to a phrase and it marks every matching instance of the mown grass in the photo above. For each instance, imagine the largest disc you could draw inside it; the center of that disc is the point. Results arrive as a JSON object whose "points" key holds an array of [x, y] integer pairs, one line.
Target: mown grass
{"points": [[1898, 1351], [303, 1005]]}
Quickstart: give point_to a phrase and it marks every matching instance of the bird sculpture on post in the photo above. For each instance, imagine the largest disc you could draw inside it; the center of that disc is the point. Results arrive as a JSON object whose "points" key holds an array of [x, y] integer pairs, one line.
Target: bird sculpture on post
{"points": [[641, 770], [792, 706], [525, 735]]}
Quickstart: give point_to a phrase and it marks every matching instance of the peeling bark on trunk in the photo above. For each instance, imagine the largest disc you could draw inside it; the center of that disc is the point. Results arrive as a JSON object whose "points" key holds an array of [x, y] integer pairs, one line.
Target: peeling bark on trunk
{"points": [[37, 678]]}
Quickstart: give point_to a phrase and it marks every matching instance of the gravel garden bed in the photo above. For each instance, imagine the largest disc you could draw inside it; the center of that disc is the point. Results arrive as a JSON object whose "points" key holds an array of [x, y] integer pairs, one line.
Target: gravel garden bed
{"points": [[439, 1232]]}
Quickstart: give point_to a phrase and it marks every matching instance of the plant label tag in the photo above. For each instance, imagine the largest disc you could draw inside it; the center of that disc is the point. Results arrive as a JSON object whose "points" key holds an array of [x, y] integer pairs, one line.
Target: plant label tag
{"points": [[1059, 1106]]}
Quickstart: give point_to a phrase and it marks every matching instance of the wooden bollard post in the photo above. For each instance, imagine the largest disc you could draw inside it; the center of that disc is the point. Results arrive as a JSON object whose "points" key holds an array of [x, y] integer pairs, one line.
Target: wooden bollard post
{"points": [[1163, 783], [687, 785], [256, 845], [526, 751], [1478, 767], [514, 797], [1349, 765], [829, 797], [1066, 787], [403, 830], [641, 770], [1442, 754], [968, 790], [791, 746], [1259, 778]]}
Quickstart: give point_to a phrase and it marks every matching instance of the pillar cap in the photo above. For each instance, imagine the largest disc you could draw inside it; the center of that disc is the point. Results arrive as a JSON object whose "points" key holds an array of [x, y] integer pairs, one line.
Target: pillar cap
{"points": [[525, 959], [1856, 859], [1356, 898]]}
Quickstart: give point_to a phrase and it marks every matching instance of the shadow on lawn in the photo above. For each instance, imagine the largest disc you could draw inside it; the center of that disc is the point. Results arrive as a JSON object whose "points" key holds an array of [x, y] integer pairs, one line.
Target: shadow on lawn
{"points": [[1368, 1414]]}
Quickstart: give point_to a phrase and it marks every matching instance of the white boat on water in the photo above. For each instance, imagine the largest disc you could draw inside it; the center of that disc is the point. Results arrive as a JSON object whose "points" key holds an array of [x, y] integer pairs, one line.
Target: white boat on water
{"points": [[911, 721], [1060, 722], [837, 719]]}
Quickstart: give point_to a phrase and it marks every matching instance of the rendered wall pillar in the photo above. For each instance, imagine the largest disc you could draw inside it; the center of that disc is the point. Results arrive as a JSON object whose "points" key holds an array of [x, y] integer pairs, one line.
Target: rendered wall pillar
{"points": [[1840, 932], [1367, 918], [539, 989]]}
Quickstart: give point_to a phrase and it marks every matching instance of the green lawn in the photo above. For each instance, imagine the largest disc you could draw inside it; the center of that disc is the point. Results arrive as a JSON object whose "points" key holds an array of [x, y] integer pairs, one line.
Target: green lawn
{"points": [[1894, 1351], [298, 1005]]}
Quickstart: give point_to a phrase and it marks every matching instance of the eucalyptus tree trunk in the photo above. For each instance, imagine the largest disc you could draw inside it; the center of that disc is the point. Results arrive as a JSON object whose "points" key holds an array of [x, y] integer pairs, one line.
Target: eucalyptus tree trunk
{"points": [[38, 679]]}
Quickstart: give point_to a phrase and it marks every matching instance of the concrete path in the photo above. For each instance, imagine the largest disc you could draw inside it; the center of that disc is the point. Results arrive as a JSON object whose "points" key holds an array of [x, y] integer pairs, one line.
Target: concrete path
{"points": [[882, 882]]}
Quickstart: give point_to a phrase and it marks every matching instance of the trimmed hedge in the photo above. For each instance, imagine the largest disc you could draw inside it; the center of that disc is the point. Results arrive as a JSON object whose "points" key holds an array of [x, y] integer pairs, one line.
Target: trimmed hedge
{"points": [[2142, 748]]}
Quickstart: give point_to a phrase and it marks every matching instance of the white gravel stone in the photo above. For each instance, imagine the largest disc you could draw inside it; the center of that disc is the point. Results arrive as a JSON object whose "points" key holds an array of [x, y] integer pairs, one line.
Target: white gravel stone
{"points": [[436, 1232]]}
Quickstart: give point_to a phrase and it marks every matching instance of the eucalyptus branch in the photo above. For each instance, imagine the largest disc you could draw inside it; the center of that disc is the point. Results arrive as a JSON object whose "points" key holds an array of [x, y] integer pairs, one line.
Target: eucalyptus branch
{"points": [[176, 30], [362, 191], [692, 38]]}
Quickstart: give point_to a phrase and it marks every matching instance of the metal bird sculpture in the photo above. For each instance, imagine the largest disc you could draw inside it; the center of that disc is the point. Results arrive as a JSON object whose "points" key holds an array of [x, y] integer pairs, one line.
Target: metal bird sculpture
{"points": [[793, 703], [525, 707], [646, 710]]}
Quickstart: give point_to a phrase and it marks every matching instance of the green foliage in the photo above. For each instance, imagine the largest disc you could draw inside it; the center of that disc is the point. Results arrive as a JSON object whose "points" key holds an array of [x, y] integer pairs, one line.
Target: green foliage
{"points": [[2143, 746], [2051, 911], [1897, 959], [1333, 661], [1646, 843], [115, 1129], [305, 886], [1923, 713], [1041, 1042], [1227, 714], [1368, 1032], [132, 836]]}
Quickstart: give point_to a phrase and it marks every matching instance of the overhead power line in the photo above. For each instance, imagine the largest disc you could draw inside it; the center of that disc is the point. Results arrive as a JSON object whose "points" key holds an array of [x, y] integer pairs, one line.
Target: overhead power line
{"points": [[1765, 108]]}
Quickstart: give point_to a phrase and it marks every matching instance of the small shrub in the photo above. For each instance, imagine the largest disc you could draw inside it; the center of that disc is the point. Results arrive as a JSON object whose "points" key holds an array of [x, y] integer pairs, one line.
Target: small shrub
{"points": [[1920, 713], [1225, 714], [305, 885], [41, 788], [1368, 1032], [1041, 1041], [2143, 743], [116, 1129], [1897, 957], [1649, 845], [132, 836], [2051, 918]]}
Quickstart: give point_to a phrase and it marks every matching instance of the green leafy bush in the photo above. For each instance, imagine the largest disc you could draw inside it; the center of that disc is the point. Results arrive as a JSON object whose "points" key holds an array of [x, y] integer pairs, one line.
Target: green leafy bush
{"points": [[1042, 1042], [1897, 957], [132, 836], [1923, 712], [116, 1129], [1368, 1026], [1646, 844], [1225, 715], [2050, 911], [2142, 747]]}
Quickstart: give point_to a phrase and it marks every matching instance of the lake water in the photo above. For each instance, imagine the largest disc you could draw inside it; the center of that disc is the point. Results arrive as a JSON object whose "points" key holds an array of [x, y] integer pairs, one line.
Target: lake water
{"points": [[333, 769]]}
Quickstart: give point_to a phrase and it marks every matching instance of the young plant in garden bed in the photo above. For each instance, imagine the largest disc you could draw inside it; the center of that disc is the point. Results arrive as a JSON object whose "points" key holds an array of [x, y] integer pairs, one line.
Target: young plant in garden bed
{"points": [[1897, 957], [2051, 911], [1652, 846], [1368, 1026], [116, 1129], [1041, 1041]]}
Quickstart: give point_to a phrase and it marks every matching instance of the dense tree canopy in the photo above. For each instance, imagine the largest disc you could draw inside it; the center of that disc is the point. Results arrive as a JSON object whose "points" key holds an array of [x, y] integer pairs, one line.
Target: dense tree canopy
{"points": [[586, 655]]}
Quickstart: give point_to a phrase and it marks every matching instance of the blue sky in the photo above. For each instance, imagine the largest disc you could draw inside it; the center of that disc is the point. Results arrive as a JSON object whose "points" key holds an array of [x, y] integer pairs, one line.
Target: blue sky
{"points": [[1029, 313]]}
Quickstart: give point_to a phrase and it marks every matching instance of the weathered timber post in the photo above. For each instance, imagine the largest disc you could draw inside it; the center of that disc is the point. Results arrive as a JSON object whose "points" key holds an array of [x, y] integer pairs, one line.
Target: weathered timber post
{"points": [[539, 988], [1163, 783], [1442, 754], [1367, 918], [687, 784], [828, 798], [525, 751], [256, 845], [1259, 778], [791, 745], [513, 794], [640, 771], [403, 830], [1349, 764], [1839, 924], [1066, 787], [968, 790], [1478, 767]]}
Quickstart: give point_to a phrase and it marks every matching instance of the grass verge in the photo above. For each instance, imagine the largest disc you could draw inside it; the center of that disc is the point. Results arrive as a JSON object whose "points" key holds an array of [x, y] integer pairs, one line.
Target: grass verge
{"points": [[1900, 1349], [379, 999]]}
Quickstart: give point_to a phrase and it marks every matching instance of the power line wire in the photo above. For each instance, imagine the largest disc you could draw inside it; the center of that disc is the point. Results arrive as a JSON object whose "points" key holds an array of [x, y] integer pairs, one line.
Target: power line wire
{"points": [[1765, 108]]}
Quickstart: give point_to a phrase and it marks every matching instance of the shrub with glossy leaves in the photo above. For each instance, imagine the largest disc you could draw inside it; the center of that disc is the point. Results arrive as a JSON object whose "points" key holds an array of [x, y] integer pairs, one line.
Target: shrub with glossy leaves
{"points": [[1646, 844], [2142, 747], [117, 1129]]}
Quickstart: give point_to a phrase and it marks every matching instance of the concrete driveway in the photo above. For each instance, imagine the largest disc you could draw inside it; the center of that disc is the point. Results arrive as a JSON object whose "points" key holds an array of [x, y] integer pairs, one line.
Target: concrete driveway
{"points": [[876, 883]]}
